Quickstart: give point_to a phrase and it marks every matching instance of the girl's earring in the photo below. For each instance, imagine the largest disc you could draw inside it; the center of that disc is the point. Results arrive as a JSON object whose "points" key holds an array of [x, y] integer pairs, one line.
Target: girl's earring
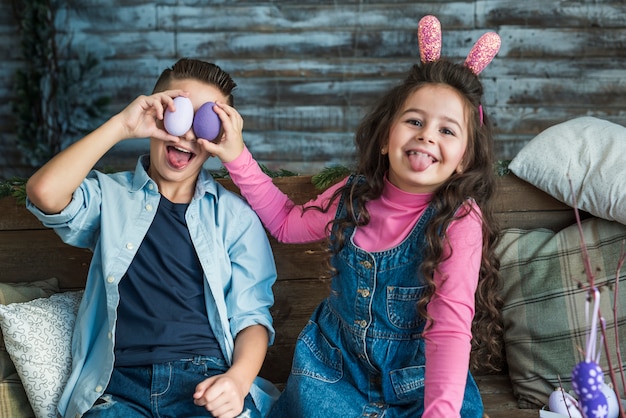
{"points": [[384, 150]]}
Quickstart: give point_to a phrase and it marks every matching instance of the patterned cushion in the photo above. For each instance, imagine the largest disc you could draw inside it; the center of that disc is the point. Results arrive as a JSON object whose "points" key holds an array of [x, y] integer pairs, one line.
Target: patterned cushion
{"points": [[38, 338], [13, 400], [544, 307]]}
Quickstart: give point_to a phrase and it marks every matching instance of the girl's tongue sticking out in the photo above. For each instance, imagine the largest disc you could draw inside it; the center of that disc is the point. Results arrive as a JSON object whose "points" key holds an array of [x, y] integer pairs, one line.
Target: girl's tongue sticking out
{"points": [[178, 157], [419, 160]]}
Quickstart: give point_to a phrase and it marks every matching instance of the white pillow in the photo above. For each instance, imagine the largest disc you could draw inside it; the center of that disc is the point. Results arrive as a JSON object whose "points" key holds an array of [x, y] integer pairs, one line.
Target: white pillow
{"points": [[592, 152], [38, 337]]}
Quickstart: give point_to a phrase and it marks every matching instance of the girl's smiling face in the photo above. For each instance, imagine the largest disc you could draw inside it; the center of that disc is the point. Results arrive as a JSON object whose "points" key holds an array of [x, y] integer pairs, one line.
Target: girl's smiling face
{"points": [[428, 139]]}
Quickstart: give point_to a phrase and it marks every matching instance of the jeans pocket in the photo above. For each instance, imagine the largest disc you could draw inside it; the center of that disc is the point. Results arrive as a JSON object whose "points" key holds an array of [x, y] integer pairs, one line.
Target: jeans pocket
{"points": [[408, 383], [315, 357], [402, 306]]}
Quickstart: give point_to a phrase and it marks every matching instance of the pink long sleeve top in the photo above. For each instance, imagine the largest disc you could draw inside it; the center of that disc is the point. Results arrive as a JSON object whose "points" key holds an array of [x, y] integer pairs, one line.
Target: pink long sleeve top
{"points": [[392, 219]]}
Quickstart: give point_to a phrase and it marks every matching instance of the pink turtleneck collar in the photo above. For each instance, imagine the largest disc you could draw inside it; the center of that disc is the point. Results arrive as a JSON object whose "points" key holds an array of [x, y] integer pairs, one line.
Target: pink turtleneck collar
{"points": [[392, 218]]}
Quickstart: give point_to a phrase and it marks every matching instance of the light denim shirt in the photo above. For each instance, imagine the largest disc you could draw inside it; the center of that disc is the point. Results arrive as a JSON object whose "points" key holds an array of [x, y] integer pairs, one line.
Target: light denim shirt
{"points": [[110, 214]]}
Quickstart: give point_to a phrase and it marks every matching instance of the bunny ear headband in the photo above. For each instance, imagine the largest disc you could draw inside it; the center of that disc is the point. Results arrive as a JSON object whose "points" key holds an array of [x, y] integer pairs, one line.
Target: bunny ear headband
{"points": [[481, 54]]}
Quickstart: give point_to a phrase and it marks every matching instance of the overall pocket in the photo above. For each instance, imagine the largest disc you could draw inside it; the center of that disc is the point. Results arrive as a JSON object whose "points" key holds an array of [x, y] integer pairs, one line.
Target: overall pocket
{"points": [[402, 306], [408, 383], [315, 357]]}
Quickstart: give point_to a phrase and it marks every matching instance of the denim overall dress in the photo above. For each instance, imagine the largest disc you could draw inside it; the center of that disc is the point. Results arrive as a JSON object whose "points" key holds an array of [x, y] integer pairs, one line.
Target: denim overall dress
{"points": [[362, 353]]}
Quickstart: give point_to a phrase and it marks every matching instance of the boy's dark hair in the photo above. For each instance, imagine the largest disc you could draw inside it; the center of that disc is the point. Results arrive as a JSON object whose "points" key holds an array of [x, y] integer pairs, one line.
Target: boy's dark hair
{"points": [[205, 72]]}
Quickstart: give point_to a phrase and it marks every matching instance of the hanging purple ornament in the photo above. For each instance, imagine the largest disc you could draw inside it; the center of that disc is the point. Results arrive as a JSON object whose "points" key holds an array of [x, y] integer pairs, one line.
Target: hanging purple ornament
{"points": [[587, 379], [587, 376]]}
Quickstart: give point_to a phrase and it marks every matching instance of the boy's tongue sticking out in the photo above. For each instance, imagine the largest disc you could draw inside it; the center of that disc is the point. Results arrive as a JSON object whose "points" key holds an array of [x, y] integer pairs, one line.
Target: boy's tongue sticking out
{"points": [[420, 161], [178, 157]]}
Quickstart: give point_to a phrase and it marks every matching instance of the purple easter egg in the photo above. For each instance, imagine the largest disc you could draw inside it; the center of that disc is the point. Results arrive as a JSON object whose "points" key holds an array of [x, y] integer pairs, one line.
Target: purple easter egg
{"points": [[206, 123], [179, 121], [596, 407], [611, 401], [587, 380]]}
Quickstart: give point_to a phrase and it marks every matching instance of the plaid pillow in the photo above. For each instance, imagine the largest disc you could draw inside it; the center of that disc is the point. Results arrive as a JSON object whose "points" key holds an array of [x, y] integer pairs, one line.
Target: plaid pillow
{"points": [[544, 308], [13, 399]]}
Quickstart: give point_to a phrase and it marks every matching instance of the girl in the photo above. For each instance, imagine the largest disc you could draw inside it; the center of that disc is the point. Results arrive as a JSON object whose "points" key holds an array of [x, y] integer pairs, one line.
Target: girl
{"points": [[411, 235]]}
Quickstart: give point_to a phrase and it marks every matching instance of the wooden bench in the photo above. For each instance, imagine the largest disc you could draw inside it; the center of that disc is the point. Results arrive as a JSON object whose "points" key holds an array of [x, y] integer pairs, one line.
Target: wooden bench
{"points": [[28, 252]]}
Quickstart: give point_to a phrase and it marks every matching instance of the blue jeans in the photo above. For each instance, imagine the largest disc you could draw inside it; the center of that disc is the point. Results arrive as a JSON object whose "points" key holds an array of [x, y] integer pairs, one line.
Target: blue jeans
{"points": [[327, 381], [161, 390]]}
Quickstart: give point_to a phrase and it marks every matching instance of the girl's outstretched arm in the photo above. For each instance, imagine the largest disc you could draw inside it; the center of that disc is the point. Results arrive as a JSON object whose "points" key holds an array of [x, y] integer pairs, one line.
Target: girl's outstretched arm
{"points": [[285, 220]]}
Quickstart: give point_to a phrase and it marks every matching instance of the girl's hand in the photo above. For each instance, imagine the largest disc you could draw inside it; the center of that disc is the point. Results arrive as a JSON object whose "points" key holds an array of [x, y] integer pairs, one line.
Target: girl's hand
{"points": [[231, 144], [144, 116]]}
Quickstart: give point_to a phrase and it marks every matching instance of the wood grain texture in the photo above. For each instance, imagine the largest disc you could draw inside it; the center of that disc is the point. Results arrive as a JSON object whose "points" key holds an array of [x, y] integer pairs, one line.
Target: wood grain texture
{"points": [[309, 70], [23, 238]]}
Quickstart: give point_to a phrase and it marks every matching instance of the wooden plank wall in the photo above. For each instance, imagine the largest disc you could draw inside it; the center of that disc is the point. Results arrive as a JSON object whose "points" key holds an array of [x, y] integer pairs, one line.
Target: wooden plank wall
{"points": [[308, 70]]}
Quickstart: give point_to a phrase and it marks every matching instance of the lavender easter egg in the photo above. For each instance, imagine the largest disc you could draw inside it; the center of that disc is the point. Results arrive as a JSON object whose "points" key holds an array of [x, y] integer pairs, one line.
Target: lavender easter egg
{"points": [[596, 407], [587, 380], [179, 121], [563, 403], [206, 123]]}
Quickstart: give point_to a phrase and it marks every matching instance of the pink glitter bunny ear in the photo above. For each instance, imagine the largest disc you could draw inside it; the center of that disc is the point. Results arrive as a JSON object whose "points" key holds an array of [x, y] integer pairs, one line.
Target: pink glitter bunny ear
{"points": [[429, 38], [483, 52]]}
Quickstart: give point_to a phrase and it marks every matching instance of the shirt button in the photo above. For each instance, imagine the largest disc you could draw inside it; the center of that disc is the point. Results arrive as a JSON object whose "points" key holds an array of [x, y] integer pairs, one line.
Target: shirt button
{"points": [[130, 246], [151, 186], [362, 323], [110, 279], [149, 207], [364, 292], [98, 388], [109, 335]]}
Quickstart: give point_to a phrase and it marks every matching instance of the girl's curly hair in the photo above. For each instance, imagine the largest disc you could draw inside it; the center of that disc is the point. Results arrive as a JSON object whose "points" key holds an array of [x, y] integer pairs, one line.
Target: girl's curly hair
{"points": [[477, 181]]}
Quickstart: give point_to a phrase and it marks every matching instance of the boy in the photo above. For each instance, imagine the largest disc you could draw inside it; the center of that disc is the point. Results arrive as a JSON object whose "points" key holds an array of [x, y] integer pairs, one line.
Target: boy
{"points": [[175, 316]]}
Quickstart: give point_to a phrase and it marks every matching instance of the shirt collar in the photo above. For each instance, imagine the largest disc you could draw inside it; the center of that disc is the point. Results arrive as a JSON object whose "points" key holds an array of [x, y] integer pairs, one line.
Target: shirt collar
{"points": [[204, 184]]}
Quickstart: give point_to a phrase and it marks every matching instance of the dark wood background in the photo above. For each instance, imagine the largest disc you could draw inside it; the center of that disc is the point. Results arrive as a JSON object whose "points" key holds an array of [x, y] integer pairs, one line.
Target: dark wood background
{"points": [[308, 70]]}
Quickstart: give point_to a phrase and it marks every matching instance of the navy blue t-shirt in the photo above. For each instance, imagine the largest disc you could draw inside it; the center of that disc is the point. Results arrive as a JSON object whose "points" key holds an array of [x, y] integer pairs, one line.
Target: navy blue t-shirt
{"points": [[162, 314]]}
